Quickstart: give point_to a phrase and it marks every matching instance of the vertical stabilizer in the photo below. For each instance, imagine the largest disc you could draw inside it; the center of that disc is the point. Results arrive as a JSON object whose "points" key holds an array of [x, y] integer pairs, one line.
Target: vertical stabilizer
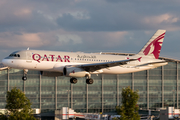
{"points": [[153, 46]]}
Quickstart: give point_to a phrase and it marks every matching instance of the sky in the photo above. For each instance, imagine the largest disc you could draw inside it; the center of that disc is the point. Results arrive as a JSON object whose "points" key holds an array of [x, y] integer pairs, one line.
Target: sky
{"points": [[120, 26]]}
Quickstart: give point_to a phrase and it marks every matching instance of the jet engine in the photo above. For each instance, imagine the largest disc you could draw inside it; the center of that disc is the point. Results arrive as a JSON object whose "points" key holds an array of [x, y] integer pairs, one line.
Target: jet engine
{"points": [[74, 72]]}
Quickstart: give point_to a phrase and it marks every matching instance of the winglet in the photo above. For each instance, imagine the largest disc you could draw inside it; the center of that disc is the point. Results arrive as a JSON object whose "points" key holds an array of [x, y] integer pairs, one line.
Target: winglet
{"points": [[153, 46]]}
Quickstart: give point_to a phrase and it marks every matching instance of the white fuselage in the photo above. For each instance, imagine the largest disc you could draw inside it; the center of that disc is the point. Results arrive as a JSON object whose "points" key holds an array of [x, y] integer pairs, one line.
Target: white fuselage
{"points": [[56, 61]]}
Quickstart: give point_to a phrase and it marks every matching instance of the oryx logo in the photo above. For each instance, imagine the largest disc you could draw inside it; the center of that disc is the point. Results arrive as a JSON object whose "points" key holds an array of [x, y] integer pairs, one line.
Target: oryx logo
{"points": [[154, 47], [73, 71]]}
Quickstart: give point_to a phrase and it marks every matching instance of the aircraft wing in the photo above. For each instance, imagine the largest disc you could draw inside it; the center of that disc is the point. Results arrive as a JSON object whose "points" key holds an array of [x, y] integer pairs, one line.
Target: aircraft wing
{"points": [[3, 68], [152, 63], [97, 66]]}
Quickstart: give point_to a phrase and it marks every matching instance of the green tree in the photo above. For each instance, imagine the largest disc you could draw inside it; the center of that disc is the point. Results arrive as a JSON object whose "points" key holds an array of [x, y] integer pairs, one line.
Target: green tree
{"points": [[129, 108], [18, 106]]}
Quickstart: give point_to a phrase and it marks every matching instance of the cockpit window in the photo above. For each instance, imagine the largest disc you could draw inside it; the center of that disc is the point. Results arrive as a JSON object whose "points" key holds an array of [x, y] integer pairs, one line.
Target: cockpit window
{"points": [[14, 55]]}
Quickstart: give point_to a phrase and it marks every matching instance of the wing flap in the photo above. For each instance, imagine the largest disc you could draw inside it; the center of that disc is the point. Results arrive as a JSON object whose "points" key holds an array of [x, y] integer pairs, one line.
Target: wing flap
{"points": [[153, 63]]}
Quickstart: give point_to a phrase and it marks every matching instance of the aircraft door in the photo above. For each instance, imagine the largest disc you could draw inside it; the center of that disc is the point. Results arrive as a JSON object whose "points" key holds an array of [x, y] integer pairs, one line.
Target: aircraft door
{"points": [[30, 60], [28, 57]]}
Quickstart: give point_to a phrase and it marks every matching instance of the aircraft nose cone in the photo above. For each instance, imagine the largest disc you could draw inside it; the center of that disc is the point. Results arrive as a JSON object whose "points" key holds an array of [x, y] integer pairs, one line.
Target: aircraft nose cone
{"points": [[4, 61]]}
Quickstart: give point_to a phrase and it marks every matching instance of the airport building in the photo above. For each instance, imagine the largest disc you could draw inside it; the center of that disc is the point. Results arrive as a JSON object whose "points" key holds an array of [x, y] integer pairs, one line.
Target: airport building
{"points": [[158, 88]]}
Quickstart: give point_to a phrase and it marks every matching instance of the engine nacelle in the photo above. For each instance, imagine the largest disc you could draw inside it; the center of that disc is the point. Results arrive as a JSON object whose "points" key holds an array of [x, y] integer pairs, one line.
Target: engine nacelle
{"points": [[74, 72], [50, 74], [58, 67]]}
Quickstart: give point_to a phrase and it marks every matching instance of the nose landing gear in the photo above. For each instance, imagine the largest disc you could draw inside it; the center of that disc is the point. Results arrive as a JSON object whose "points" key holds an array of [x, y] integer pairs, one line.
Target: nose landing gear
{"points": [[24, 78]]}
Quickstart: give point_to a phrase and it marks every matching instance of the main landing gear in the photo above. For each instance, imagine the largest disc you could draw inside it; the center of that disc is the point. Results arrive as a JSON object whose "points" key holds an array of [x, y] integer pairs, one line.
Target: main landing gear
{"points": [[88, 80], [24, 78], [73, 80]]}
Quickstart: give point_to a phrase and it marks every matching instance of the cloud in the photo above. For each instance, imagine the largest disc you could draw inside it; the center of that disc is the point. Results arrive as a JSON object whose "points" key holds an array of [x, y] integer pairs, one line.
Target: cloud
{"points": [[23, 17], [164, 21], [22, 12], [85, 25], [79, 15], [166, 18], [69, 39], [121, 16], [21, 40]]}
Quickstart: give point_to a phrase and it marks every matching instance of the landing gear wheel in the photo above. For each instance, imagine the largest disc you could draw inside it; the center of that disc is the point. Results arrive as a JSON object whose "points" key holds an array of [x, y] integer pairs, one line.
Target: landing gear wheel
{"points": [[24, 78], [89, 81], [73, 80]]}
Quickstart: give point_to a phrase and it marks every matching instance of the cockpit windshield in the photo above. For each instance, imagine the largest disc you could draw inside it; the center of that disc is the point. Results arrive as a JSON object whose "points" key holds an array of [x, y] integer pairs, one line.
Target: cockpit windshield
{"points": [[14, 55]]}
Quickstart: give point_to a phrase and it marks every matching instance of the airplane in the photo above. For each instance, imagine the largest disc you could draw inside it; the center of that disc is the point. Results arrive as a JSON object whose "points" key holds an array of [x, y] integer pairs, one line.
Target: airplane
{"points": [[79, 64]]}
